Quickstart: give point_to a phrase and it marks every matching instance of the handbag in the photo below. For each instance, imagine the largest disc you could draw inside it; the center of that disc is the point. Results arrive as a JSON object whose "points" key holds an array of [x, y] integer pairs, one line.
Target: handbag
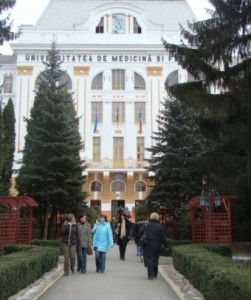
{"points": [[143, 237], [89, 249]]}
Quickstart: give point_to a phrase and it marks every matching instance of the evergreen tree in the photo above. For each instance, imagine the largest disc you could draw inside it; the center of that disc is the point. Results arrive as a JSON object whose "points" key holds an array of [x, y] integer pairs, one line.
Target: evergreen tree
{"points": [[176, 157], [6, 34], [9, 146], [217, 53], [51, 170], [1, 148]]}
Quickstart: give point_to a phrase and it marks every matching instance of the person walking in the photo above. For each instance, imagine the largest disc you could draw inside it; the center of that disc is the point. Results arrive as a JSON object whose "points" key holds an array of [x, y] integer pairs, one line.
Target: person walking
{"points": [[70, 239], [85, 239], [155, 237], [135, 233], [102, 239], [123, 229]]}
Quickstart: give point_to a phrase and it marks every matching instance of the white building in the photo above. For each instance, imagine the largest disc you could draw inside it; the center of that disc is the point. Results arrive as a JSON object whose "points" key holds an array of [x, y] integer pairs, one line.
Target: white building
{"points": [[117, 68]]}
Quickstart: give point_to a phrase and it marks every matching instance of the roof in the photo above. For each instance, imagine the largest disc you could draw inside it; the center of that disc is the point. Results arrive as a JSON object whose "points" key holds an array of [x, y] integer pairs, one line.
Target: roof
{"points": [[8, 59], [195, 202], [19, 201], [63, 14]]}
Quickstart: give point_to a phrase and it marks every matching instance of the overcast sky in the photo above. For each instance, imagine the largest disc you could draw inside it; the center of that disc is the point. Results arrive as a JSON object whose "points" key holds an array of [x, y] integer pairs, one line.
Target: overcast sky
{"points": [[28, 11]]}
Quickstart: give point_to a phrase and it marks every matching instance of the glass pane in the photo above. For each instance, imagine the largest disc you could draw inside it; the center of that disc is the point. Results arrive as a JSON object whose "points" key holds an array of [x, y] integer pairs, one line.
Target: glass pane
{"points": [[118, 23], [139, 82], [97, 82], [118, 79], [97, 112]]}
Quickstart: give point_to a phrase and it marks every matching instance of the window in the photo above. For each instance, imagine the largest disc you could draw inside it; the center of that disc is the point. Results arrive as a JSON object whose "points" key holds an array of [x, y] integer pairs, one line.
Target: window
{"points": [[118, 23], [118, 152], [140, 186], [8, 84], [139, 202], [173, 78], [118, 112], [136, 27], [64, 79], [139, 112], [96, 148], [96, 186], [118, 79], [96, 204], [100, 27], [97, 82], [118, 186], [139, 82], [140, 148], [97, 112]]}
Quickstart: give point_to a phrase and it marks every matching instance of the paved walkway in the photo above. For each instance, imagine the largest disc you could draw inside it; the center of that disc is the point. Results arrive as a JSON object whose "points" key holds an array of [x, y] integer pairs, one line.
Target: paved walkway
{"points": [[122, 280]]}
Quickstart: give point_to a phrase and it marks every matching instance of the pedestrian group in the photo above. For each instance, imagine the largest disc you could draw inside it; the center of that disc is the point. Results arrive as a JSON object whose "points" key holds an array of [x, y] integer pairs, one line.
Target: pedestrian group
{"points": [[78, 240]]}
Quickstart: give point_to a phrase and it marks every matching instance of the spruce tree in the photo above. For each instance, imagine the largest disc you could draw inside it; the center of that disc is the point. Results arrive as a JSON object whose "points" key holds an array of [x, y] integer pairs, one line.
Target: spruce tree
{"points": [[8, 145], [1, 148], [176, 157], [217, 53], [51, 170], [6, 33]]}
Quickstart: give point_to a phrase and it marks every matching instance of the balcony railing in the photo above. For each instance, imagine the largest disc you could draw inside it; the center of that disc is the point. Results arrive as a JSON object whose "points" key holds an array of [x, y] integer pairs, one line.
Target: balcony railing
{"points": [[108, 163]]}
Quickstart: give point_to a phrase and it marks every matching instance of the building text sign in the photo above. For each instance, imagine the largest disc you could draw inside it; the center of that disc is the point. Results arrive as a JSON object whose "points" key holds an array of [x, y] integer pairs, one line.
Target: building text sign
{"points": [[85, 58]]}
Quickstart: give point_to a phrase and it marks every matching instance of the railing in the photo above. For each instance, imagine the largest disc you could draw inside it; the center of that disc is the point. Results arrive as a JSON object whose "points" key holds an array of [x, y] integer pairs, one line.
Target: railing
{"points": [[108, 163]]}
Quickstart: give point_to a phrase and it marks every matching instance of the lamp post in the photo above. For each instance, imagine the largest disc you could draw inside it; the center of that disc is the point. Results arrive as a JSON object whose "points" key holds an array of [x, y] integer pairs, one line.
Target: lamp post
{"points": [[208, 199]]}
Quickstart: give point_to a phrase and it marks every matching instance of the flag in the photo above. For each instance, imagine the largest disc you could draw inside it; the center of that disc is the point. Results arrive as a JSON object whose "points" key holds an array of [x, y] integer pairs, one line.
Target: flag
{"points": [[96, 121], [117, 115], [140, 122]]}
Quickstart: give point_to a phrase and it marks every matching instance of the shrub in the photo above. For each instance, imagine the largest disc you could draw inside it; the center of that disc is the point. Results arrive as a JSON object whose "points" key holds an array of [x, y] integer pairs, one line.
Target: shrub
{"points": [[23, 267], [217, 277]]}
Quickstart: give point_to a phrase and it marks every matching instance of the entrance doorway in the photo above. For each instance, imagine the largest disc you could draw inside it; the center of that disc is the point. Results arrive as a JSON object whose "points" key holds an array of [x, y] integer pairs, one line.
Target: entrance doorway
{"points": [[115, 205]]}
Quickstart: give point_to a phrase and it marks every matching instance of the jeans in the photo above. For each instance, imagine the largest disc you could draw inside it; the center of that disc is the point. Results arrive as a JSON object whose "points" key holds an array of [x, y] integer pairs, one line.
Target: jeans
{"points": [[82, 258], [100, 261], [139, 251]]}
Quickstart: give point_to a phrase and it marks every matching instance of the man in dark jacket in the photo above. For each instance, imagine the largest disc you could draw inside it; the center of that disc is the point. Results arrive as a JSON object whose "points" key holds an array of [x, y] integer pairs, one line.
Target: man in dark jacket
{"points": [[155, 237]]}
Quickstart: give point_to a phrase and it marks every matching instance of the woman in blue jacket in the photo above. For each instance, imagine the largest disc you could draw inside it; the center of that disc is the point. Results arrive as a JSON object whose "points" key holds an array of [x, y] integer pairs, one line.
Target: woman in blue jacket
{"points": [[102, 239]]}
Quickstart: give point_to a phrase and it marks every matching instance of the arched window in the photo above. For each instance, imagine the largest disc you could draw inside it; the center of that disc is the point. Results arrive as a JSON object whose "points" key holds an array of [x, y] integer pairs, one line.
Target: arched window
{"points": [[172, 78], [139, 82], [118, 186], [64, 78], [136, 27], [100, 27], [140, 186], [97, 82], [96, 186]]}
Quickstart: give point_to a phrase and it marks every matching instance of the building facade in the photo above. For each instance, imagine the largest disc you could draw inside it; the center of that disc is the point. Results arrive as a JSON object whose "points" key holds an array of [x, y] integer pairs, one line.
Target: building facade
{"points": [[116, 67]]}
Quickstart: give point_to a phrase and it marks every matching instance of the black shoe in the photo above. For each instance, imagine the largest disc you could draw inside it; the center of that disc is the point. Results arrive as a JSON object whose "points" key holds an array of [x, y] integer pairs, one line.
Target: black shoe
{"points": [[97, 270], [150, 278]]}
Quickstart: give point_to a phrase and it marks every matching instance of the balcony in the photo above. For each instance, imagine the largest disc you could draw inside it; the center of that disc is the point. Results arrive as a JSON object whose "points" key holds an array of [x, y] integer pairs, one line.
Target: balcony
{"points": [[107, 163]]}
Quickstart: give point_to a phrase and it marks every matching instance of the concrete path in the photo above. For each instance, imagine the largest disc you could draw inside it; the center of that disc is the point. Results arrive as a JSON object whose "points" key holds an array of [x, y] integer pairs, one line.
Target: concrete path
{"points": [[122, 280]]}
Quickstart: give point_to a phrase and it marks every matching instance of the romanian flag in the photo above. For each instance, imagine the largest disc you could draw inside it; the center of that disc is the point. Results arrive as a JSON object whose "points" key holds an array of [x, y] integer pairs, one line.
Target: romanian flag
{"points": [[140, 122], [96, 121]]}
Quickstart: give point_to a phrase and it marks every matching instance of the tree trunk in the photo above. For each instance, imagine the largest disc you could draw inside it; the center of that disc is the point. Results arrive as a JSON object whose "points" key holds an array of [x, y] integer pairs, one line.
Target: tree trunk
{"points": [[46, 221]]}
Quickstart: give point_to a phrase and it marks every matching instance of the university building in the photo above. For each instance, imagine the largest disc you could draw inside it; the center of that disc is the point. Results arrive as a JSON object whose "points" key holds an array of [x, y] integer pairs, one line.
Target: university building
{"points": [[116, 67]]}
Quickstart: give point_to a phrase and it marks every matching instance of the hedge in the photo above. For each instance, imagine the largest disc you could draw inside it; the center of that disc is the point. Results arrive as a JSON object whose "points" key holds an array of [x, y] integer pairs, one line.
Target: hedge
{"points": [[21, 268], [215, 276]]}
